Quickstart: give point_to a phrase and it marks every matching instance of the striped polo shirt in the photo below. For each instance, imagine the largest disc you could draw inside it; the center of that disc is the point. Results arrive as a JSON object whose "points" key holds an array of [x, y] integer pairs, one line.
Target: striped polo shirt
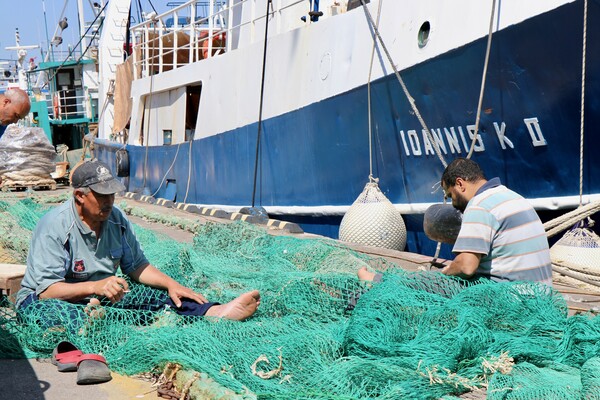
{"points": [[504, 228]]}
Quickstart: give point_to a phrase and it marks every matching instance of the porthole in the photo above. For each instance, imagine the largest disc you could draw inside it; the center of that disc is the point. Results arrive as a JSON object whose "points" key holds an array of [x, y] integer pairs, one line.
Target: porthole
{"points": [[424, 34]]}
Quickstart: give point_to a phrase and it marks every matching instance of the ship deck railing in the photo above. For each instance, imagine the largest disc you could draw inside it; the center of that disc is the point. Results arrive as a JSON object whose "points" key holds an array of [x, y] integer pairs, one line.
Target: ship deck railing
{"points": [[64, 107], [197, 30]]}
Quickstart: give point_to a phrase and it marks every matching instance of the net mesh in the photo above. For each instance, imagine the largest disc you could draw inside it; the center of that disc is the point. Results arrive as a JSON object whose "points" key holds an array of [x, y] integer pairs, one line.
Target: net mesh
{"points": [[413, 335]]}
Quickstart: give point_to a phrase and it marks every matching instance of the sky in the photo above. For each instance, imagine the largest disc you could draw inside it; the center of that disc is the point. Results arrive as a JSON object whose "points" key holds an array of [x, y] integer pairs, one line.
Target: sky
{"points": [[28, 17]]}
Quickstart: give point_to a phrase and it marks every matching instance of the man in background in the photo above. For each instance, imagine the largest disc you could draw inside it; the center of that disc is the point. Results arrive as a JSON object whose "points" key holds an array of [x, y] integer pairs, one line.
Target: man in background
{"points": [[14, 105], [501, 236]]}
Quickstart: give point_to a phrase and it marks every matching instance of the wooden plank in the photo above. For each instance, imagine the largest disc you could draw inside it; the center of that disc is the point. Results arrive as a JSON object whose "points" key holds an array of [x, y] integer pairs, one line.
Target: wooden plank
{"points": [[10, 279]]}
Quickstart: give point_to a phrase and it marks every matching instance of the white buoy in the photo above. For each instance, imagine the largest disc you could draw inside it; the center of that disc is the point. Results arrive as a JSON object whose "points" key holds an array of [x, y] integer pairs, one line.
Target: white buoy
{"points": [[578, 249], [374, 221]]}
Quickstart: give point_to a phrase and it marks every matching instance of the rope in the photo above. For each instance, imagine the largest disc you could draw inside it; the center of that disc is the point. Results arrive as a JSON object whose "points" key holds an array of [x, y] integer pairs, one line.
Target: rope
{"points": [[567, 220], [575, 275], [147, 126], [410, 99], [80, 39], [578, 269], [169, 170], [187, 188], [483, 79], [582, 102], [260, 107], [369, 97]]}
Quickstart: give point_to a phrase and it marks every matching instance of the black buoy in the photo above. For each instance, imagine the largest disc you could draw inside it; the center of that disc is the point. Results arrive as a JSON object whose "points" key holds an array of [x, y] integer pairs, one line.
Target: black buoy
{"points": [[441, 223], [122, 159]]}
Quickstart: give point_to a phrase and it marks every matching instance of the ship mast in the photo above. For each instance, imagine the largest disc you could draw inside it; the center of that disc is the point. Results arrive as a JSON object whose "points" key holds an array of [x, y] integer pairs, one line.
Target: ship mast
{"points": [[21, 53]]}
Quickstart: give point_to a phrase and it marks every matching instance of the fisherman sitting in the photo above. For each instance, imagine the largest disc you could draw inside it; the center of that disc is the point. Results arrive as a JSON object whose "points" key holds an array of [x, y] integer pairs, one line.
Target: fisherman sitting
{"points": [[77, 247], [501, 236]]}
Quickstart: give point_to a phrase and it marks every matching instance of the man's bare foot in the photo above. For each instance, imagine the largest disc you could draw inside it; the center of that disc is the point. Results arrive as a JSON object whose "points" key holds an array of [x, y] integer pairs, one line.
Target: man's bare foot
{"points": [[237, 309], [365, 275]]}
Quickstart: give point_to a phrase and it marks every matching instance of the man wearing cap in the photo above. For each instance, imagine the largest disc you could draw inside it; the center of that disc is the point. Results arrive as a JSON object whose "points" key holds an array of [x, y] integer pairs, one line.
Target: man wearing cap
{"points": [[77, 247]]}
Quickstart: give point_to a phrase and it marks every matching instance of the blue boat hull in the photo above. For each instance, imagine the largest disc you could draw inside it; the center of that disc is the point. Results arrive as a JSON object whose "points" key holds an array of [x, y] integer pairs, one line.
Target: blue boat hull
{"points": [[319, 155]]}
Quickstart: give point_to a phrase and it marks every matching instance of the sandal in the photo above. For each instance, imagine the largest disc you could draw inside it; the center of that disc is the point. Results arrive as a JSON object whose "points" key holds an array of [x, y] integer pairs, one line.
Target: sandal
{"points": [[66, 357], [92, 368]]}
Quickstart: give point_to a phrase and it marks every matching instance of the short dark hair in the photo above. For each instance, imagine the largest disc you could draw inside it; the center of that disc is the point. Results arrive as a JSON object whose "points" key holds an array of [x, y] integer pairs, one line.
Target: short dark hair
{"points": [[463, 168]]}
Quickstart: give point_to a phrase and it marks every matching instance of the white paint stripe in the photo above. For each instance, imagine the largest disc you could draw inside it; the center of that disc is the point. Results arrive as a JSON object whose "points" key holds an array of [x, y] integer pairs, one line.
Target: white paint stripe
{"points": [[542, 203]]}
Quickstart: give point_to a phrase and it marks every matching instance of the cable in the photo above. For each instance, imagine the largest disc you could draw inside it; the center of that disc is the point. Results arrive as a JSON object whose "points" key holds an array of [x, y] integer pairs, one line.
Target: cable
{"points": [[169, 170], [410, 99], [189, 172], [80, 39], [260, 108], [369, 97], [483, 79], [585, 3]]}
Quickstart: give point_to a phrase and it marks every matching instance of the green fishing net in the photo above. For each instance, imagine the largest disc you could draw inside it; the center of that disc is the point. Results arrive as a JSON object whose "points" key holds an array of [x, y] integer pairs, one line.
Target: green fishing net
{"points": [[319, 333]]}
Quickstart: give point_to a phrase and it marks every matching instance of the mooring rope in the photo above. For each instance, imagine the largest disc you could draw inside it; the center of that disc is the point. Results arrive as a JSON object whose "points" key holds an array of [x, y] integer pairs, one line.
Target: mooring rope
{"points": [[369, 98], [567, 220], [483, 79], [410, 99], [582, 102], [260, 107]]}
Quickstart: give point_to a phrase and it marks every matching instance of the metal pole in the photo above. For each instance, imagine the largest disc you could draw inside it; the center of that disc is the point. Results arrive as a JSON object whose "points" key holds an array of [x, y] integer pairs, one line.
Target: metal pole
{"points": [[260, 108], [47, 38]]}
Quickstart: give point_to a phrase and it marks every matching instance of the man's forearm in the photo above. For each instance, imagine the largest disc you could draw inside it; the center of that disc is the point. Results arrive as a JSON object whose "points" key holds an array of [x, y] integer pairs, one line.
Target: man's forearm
{"points": [[71, 292], [149, 275], [464, 265]]}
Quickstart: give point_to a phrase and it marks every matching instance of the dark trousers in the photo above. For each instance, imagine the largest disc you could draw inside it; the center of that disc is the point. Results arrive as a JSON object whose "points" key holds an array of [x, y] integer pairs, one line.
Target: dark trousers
{"points": [[53, 312]]}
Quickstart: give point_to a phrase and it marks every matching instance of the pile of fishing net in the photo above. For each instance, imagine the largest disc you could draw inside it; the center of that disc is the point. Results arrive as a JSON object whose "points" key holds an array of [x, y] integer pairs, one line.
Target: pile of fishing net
{"points": [[320, 333]]}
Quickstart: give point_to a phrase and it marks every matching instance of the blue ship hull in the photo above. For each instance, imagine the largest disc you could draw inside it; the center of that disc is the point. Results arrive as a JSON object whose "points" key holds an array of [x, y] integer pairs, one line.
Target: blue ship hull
{"points": [[319, 155]]}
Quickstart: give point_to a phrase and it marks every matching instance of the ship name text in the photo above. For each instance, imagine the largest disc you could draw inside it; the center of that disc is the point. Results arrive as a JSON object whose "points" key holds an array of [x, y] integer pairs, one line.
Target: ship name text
{"points": [[456, 140]]}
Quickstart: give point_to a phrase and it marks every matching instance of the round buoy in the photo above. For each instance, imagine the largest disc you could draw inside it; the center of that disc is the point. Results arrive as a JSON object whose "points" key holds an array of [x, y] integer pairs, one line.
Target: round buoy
{"points": [[579, 249], [374, 221], [442, 222]]}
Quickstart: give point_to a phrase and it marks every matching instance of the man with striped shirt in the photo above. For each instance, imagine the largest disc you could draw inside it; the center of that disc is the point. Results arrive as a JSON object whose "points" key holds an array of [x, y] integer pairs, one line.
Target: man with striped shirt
{"points": [[501, 236]]}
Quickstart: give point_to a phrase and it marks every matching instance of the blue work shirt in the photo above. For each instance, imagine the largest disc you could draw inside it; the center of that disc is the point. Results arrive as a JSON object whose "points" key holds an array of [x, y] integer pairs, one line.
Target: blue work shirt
{"points": [[64, 249]]}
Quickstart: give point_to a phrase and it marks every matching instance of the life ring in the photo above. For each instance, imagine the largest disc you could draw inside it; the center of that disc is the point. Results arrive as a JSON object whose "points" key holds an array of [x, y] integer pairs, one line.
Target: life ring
{"points": [[56, 106], [218, 43]]}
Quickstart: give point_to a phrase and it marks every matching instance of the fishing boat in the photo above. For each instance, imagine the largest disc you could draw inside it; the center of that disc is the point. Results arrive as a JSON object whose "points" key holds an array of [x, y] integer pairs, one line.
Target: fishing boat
{"points": [[294, 105], [63, 86]]}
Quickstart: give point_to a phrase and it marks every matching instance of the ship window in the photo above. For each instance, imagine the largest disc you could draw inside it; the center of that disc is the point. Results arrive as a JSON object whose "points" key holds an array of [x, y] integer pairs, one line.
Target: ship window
{"points": [[167, 137], [424, 34]]}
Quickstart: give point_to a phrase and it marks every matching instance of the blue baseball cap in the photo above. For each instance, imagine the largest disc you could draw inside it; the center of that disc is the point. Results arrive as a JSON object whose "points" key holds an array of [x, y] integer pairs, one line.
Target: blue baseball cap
{"points": [[97, 176]]}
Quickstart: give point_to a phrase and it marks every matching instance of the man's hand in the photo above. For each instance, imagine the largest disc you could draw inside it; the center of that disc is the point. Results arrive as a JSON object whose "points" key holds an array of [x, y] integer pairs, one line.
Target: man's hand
{"points": [[149, 275], [464, 265], [113, 288], [178, 292]]}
